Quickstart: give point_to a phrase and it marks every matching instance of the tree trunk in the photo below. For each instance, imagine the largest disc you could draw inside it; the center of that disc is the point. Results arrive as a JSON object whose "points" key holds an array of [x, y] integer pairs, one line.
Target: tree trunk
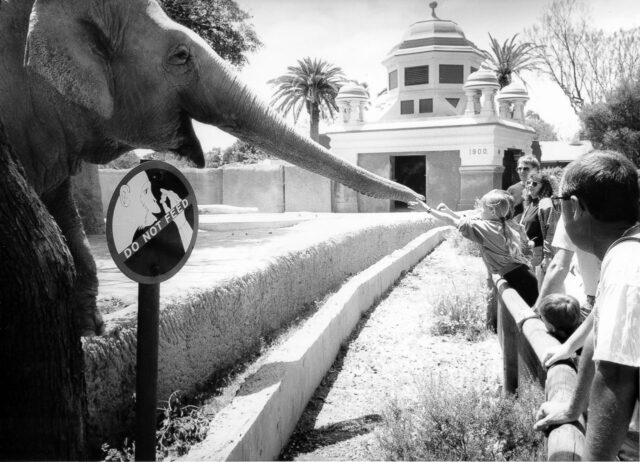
{"points": [[43, 404], [314, 129]]}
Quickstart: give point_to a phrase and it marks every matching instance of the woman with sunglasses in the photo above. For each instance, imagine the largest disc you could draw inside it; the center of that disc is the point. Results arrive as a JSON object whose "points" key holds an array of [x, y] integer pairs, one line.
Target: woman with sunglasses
{"points": [[539, 220]]}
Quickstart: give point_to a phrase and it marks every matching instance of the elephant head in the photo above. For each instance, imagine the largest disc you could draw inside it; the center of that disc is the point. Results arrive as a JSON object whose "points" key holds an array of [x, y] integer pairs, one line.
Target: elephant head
{"points": [[139, 78]]}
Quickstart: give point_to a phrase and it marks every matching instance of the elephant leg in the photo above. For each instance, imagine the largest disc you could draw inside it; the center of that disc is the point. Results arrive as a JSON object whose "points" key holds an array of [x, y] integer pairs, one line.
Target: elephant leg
{"points": [[62, 207]]}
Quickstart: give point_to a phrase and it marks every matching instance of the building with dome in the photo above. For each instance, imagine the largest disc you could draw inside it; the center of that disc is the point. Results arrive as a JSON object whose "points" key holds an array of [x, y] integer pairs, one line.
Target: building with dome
{"points": [[442, 127]]}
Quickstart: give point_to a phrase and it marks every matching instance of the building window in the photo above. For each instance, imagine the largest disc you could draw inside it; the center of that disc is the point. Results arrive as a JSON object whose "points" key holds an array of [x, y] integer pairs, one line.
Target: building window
{"points": [[418, 75], [451, 73], [393, 80], [425, 106], [453, 101], [406, 107], [473, 69]]}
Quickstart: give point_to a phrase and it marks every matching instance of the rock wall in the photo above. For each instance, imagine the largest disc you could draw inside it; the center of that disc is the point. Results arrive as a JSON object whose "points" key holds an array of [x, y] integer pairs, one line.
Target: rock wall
{"points": [[205, 332]]}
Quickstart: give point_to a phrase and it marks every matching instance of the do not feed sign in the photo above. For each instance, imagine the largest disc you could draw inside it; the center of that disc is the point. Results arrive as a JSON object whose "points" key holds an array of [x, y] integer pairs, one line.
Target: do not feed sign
{"points": [[152, 222]]}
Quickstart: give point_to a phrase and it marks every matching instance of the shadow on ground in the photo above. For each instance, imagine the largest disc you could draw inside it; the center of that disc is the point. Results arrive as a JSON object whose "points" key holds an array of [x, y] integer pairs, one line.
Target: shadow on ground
{"points": [[306, 438]]}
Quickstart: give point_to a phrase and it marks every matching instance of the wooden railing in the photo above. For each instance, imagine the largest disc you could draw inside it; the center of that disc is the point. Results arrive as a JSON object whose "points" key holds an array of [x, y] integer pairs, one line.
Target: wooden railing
{"points": [[524, 340]]}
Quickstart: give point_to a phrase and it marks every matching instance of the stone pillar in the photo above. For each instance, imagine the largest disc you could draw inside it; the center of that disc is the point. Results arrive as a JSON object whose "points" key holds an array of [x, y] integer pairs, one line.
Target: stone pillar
{"points": [[488, 107], [476, 181], [470, 110], [518, 112], [504, 109]]}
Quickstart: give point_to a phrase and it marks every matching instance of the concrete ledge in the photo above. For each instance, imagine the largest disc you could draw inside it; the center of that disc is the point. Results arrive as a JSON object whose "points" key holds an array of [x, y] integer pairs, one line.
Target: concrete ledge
{"points": [[266, 409], [244, 221]]}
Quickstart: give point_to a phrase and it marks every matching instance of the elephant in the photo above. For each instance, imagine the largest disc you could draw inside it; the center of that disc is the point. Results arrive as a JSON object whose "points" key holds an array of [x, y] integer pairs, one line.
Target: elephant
{"points": [[88, 80]]}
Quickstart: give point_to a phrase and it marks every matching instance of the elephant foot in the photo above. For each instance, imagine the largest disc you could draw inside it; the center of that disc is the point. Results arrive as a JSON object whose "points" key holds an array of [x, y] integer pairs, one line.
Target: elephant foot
{"points": [[88, 321]]}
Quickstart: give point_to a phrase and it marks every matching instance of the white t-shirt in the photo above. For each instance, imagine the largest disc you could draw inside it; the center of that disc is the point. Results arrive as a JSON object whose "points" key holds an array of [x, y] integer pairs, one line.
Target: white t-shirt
{"points": [[588, 263], [616, 319]]}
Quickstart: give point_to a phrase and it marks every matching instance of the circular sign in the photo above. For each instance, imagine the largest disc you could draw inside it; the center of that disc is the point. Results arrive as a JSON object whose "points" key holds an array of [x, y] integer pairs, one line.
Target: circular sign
{"points": [[152, 222]]}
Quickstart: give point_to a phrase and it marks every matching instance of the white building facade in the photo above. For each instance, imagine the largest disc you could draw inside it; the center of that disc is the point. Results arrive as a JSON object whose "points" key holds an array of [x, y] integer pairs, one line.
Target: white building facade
{"points": [[442, 127]]}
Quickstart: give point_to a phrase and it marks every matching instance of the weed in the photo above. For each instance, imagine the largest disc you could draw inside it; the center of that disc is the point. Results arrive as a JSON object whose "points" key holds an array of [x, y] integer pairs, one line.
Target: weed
{"points": [[450, 422], [465, 246], [461, 313], [180, 426]]}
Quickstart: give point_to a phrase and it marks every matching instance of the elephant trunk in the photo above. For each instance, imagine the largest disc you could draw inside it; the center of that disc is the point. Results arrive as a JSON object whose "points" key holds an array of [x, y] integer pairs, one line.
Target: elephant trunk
{"points": [[221, 99]]}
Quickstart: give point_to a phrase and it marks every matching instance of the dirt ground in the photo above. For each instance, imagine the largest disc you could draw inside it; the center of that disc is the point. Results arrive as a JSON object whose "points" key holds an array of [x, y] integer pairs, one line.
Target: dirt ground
{"points": [[391, 352]]}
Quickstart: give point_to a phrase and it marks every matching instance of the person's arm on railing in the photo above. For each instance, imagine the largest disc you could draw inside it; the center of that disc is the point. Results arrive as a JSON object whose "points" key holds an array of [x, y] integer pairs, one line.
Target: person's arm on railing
{"points": [[556, 413], [614, 393], [571, 345], [440, 215]]}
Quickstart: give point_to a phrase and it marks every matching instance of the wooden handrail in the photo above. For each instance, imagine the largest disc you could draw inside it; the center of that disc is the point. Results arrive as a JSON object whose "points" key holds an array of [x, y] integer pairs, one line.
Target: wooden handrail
{"points": [[524, 340]]}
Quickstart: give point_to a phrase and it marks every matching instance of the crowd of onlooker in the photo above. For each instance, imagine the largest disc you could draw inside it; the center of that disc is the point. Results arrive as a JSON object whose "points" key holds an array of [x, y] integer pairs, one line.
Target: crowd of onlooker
{"points": [[535, 233]]}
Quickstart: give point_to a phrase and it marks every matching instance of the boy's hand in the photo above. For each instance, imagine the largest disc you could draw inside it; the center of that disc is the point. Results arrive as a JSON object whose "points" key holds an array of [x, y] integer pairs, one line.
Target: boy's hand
{"points": [[443, 207], [555, 354]]}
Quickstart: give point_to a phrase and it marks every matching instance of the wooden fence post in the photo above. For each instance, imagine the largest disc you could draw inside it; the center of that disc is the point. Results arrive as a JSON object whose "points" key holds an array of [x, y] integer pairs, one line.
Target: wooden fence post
{"points": [[509, 339]]}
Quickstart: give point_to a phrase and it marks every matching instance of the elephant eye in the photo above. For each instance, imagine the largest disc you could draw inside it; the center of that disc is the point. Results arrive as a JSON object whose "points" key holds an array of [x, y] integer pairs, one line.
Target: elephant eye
{"points": [[179, 56]]}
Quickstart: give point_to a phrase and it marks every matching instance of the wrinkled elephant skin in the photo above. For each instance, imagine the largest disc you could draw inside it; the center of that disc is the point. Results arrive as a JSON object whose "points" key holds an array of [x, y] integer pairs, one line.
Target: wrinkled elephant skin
{"points": [[92, 79]]}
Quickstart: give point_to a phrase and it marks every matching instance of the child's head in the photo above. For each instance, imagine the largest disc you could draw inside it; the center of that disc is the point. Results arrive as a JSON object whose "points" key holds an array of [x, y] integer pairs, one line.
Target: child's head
{"points": [[560, 314], [497, 204]]}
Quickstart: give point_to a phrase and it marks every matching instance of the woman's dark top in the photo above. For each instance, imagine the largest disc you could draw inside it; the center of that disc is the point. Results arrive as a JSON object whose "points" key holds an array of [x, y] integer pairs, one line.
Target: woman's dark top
{"points": [[531, 223]]}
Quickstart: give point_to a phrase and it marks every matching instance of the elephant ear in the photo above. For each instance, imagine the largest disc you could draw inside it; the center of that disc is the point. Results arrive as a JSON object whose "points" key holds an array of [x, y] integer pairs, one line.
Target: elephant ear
{"points": [[66, 51]]}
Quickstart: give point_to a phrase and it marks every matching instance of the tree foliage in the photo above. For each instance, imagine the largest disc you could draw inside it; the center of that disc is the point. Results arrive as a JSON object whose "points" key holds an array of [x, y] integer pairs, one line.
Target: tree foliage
{"points": [[544, 130], [241, 152], [586, 63], [221, 23], [313, 85], [512, 57], [615, 124]]}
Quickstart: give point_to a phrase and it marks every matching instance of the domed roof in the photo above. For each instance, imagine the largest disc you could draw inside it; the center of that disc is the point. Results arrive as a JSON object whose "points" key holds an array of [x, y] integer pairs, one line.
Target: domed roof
{"points": [[513, 91], [352, 91], [481, 78], [434, 31]]}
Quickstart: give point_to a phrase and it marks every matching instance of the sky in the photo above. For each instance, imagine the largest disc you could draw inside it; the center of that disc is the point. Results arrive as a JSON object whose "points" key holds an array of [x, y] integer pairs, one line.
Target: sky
{"points": [[356, 35]]}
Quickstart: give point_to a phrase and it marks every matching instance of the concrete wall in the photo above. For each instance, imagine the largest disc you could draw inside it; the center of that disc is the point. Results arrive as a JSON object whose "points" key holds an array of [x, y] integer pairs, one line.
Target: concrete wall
{"points": [[205, 332], [305, 191], [259, 185], [271, 187]]}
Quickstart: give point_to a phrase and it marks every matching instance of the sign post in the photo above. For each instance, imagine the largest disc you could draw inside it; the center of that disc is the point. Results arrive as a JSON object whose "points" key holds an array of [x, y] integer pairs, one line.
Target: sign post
{"points": [[152, 225]]}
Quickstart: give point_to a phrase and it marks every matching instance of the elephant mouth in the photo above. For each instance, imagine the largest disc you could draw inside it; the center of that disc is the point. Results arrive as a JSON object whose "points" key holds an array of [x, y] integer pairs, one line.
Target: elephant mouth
{"points": [[188, 143]]}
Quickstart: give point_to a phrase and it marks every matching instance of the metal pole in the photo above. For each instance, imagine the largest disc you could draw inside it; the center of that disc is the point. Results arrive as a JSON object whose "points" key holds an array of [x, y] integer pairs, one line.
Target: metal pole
{"points": [[147, 371]]}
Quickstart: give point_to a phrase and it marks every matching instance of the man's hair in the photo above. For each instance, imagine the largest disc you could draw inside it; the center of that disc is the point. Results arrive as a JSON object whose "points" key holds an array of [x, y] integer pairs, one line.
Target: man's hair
{"points": [[530, 160], [562, 312], [606, 183]]}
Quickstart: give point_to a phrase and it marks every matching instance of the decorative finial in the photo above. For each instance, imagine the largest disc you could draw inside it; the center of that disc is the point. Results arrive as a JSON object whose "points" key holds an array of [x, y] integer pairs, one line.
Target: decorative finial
{"points": [[433, 6]]}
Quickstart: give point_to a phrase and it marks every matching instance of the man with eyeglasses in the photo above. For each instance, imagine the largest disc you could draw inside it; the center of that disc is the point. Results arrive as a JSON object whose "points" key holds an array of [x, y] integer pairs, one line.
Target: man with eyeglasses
{"points": [[599, 201], [527, 165]]}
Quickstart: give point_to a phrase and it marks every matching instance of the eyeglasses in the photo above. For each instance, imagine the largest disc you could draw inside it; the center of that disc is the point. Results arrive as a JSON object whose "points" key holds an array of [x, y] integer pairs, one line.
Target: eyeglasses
{"points": [[523, 169], [557, 200], [533, 184]]}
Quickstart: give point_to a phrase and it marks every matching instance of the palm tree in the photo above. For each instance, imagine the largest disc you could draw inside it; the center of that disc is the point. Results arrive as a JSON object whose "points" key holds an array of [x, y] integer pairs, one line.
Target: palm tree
{"points": [[312, 84], [511, 58]]}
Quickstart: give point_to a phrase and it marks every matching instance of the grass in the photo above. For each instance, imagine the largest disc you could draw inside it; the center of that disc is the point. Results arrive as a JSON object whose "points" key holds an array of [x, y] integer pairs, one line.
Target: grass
{"points": [[465, 246], [461, 313], [452, 422]]}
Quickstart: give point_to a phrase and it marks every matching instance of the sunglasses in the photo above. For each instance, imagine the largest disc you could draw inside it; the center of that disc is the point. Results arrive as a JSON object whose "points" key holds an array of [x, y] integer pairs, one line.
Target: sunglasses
{"points": [[557, 201]]}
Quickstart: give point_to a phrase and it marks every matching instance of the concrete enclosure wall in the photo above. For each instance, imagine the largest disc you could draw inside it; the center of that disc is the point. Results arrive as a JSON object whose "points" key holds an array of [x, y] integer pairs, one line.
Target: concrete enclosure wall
{"points": [[272, 187], [205, 332]]}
